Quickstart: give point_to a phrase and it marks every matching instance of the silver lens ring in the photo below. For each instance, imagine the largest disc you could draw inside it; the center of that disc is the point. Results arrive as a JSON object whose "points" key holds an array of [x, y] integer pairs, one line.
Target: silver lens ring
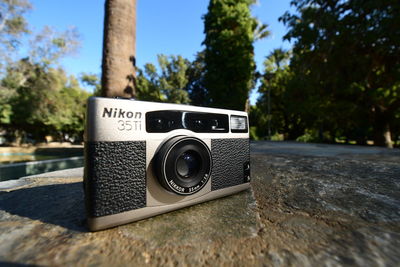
{"points": [[183, 165]]}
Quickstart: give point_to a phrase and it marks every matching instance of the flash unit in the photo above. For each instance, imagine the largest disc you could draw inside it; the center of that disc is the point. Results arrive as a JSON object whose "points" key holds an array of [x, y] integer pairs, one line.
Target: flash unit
{"points": [[238, 124]]}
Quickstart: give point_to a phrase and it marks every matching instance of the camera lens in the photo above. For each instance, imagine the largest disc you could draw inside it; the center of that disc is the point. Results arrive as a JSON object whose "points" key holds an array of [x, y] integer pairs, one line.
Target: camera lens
{"points": [[188, 164], [183, 165]]}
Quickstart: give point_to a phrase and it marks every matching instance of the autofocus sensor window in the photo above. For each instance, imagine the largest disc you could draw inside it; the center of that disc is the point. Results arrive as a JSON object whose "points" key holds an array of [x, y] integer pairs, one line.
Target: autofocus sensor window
{"points": [[183, 165], [163, 121]]}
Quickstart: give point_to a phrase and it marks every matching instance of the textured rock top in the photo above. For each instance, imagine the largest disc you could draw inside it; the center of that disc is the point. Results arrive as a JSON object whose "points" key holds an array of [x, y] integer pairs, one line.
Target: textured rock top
{"points": [[309, 205]]}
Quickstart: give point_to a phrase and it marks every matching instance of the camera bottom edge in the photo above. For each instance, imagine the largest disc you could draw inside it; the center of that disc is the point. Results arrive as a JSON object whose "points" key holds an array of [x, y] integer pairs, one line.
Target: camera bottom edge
{"points": [[104, 222]]}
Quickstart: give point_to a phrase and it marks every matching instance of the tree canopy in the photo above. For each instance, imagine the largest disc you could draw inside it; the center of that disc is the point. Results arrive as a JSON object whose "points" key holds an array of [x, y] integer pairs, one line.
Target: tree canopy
{"points": [[348, 53], [230, 32], [37, 97], [167, 84], [12, 27]]}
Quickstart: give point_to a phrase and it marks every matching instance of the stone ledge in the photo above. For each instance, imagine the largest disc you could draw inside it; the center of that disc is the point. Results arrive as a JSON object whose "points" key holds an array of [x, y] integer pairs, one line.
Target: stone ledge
{"points": [[43, 222], [308, 207]]}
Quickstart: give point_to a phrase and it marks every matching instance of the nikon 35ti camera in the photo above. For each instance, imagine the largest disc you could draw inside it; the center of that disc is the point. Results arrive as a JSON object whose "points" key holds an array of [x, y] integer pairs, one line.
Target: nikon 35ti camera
{"points": [[144, 158]]}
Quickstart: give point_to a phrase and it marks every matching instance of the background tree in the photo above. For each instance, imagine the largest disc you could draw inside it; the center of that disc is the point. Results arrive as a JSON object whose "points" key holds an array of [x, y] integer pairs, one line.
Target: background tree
{"points": [[167, 84], [229, 54], [119, 48], [49, 46], [347, 55], [148, 84], [91, 80], [36, 96], [46, 102], [277, 109], [12, 27], [173, 79], [6, 95], [195, 87]]}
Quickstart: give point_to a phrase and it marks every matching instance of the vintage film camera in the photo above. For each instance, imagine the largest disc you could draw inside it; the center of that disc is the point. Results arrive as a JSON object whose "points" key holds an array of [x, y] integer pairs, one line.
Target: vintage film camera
{"points": [[146, 158]]}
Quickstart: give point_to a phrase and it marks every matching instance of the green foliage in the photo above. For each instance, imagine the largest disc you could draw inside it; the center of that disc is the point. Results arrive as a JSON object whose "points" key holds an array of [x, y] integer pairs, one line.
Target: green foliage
{"points": [[308, 136], [173, 78], [168, 84], [258, 122], [229, 54], [49, 46], [278, 103], [12, 26], [345, 63], [177, 80], [36, 97], [71, 108], [93, 81], [147, 84], [45, 101], [195, 87], [6, 94]]}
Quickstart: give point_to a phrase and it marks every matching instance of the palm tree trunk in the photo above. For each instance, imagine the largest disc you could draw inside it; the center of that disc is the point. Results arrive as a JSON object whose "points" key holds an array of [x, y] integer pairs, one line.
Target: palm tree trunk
{"points": [[119, 49]]}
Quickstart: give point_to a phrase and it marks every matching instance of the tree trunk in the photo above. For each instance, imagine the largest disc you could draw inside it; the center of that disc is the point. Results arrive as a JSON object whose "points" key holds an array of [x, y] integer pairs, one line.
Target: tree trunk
{"points": [[119, 49], [382, 134], [383, 138]]}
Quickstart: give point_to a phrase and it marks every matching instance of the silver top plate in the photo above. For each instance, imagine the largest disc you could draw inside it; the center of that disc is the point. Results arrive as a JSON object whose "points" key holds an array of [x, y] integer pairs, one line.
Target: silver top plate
{"points": [[110, 119]]}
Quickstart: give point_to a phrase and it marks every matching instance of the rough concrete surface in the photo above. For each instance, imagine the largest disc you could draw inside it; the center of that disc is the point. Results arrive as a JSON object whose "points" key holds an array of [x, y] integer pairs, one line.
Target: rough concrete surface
{"points": [[309, 205]]}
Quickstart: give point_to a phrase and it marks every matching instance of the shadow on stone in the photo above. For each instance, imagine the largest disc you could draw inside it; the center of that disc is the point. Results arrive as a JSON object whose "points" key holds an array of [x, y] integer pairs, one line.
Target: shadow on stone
{"points": [[12, 264], [58, 204], [57, 151]]}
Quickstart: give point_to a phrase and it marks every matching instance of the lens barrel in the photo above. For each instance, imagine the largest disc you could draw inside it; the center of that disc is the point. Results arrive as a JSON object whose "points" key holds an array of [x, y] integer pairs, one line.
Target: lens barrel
{"points": [[183, 165]]}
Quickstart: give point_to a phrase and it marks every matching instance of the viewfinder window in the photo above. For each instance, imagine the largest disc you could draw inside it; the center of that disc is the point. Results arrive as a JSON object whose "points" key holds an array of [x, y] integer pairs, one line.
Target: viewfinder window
{"points": [[239, 124]]}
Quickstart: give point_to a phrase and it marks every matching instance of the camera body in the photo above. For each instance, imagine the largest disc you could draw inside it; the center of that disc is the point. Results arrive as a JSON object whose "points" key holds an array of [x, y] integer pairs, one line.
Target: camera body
{"points": [[145, 158]]}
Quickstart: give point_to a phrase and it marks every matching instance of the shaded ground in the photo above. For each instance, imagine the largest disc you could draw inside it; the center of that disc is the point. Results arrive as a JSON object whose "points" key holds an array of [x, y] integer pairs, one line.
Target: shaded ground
{"points": [[309, 205]]}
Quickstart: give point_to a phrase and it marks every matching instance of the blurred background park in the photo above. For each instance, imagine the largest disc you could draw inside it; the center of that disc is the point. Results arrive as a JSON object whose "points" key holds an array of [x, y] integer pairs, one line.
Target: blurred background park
{"points": [[305, 70]]}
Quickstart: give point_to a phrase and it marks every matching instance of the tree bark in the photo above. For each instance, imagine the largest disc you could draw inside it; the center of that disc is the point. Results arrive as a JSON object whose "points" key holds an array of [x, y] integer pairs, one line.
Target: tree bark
{"points": [[382, 134], [119, 49], [383, 138]]}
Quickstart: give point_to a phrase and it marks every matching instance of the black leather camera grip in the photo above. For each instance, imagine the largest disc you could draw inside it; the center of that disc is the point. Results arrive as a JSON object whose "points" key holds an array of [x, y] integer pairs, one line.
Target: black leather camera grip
{"points": [[229, 157], [115, 177]]}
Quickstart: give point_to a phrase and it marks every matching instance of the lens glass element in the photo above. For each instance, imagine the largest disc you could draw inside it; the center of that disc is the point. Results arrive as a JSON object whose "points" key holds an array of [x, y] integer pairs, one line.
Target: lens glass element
{"points": [[188, 164]]}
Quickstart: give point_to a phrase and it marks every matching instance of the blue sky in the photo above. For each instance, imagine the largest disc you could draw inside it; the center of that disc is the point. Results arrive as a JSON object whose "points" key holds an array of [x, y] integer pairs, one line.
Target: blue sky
{"points": [[163, 27]]}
